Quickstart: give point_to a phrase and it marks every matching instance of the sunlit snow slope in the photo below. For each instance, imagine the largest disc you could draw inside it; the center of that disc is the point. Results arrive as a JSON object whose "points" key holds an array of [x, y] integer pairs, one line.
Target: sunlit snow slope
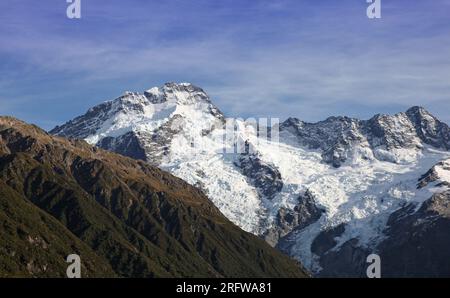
{"points": [[322, 185]]}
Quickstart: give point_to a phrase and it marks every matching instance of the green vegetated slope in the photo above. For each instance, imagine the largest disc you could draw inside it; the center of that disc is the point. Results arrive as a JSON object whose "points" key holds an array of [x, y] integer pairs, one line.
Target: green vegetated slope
{"points": [[123, 217]]}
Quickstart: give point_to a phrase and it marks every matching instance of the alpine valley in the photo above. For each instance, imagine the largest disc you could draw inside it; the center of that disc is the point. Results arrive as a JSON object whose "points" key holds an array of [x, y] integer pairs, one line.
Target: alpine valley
{"points": [[328, 194]]}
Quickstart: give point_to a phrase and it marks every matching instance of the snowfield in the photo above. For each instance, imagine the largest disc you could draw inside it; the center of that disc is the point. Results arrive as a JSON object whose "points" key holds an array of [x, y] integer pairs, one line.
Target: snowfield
{"points": [[373, 174]]}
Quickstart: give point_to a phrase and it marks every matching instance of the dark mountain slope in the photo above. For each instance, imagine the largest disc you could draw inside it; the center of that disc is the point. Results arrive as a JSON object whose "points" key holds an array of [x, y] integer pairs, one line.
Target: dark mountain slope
{"points": [[116, 213], [35, 244], [418, 243]]}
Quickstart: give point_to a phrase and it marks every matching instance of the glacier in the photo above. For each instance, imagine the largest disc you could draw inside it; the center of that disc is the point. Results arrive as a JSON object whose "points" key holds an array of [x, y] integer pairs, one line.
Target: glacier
{"points": [[358, 172]]}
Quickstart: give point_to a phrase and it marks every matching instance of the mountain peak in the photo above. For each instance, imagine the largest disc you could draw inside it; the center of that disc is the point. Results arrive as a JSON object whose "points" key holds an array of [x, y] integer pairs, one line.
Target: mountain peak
{"points": [[429, 128], [181, 86], [133, 111], [417, 110], [179, 93], [7, 122]]}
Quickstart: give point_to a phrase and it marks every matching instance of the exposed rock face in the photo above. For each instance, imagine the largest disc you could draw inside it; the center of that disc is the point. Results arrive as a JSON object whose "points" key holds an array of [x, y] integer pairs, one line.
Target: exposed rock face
{"points": [[304, 213], [327, 240], [348, 261], [429, 129], [334, 136], [438, 174], [127, 145], [266, 178], [418, 243]]}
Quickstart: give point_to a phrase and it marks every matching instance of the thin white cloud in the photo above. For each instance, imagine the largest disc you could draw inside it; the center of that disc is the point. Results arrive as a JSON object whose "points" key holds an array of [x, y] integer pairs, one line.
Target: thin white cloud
{"points": [[315, 68]]}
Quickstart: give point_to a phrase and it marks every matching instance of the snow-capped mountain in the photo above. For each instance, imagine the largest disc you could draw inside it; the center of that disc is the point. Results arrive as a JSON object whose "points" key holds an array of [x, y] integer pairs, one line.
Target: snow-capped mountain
{"points": [[339, 189]]}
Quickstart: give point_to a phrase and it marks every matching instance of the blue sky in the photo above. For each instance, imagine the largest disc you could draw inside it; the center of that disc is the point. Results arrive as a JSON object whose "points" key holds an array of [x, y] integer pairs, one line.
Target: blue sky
{"points": [[308, 59]]}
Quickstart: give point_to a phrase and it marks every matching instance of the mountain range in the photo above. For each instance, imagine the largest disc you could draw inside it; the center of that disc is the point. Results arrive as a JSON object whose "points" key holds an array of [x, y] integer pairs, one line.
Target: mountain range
{"points": [[123, 217], [328, 193]]}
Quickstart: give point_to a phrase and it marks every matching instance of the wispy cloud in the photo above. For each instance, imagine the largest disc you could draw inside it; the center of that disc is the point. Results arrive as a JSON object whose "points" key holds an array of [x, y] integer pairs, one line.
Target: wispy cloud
{"points": [[284, 58]]}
